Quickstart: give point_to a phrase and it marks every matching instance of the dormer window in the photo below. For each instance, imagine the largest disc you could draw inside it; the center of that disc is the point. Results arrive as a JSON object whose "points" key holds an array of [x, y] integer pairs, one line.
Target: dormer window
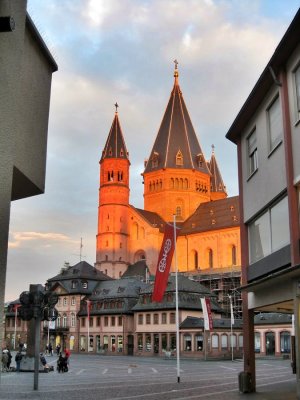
{"points": [[200, 159], [110, 152], [179, 158], [121, 152], [155, 159], [84, 284]]}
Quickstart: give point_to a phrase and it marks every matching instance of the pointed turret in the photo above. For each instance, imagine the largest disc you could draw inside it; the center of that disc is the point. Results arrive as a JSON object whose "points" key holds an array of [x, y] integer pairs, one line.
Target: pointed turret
{"points": [[217, 187], [176, 145], [115, 145], [176, 176], [111, 256]]}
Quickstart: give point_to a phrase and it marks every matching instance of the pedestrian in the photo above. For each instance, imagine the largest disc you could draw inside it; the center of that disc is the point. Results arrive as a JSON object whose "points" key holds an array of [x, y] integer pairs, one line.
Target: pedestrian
{"points": [[50, 349], [67, 356], [58, 349], [47, 349], [44, 362], [4, 360], [18, 359], [9, 359]]}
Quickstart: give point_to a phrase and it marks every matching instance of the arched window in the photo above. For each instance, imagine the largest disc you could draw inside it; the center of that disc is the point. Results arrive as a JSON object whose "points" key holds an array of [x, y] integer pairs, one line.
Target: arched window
{"points": [[186, 184], [65, 301], [179, 158], [65, 321], [195, 259], [257, 342], [135, 231], [215, 341], [233, 255], [241, 341], [58, 321], [210, 258], [172, 183], [73, 301], [224, 341]]}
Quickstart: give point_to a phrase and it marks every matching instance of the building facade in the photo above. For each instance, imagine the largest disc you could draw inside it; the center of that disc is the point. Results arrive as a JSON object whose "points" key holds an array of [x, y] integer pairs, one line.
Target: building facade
{"points": [[25, 79], [178, 180], [267, 134]]}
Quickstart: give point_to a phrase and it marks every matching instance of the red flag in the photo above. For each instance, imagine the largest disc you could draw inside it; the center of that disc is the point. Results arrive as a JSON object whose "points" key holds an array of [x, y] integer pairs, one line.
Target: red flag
{"points": [[206, 309], [164, 263]]}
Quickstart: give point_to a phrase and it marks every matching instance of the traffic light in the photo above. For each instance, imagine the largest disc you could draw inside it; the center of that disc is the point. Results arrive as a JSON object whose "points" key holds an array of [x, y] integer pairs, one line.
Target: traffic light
{"points": [[38, 304]]}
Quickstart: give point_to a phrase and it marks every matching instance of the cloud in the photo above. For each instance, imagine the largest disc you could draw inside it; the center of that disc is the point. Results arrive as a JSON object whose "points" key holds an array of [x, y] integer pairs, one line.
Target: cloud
{"points": [[19, 239]]}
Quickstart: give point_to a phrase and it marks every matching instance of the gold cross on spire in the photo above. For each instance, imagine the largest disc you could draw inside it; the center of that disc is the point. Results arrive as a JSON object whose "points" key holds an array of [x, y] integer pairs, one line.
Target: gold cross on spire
{"points": [[213, 148], [176, 70], [116, 105]]}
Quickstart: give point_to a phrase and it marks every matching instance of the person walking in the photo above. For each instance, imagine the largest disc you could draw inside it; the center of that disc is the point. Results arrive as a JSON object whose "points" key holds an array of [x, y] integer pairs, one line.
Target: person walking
{"points": [[9, 359], [4, 360], [18, 359], [58, 349], [50, 348]]}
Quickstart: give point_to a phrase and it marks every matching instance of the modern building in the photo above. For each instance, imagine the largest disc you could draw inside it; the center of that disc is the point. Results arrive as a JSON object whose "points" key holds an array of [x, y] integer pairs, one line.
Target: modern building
{"points": [[267, 134], [178, 180], [26, 70]]}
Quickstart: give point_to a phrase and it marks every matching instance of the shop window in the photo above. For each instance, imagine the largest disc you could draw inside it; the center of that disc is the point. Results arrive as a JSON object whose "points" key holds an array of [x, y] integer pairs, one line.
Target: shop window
{"points": [[187, 342]]}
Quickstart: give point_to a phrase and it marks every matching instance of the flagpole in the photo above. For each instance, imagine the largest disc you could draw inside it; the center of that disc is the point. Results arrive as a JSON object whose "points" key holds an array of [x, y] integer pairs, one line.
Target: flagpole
{"points": [[231, 316], [15, 333], [176, 296], [88, 325]]}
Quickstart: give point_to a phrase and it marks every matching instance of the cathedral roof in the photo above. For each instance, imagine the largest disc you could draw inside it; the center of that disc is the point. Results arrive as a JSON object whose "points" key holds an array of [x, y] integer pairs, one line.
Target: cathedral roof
{"points": [[218, 214], [115, 144], [176, 144], [152, 218], [216, 181]]}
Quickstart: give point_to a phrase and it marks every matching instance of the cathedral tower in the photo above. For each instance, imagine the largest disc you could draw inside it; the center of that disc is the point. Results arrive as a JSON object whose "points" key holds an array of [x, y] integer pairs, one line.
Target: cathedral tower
{"points": [[112, 237], [217, 187], [176, 176]]}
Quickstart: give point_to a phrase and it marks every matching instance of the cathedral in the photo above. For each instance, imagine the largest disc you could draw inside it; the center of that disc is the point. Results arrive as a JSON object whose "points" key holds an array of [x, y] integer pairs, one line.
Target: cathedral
{"points": [[178, 180]]}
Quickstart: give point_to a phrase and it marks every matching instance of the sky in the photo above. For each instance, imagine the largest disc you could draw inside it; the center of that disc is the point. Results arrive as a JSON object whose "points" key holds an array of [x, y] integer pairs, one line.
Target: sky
{"points": [[123, 50]]}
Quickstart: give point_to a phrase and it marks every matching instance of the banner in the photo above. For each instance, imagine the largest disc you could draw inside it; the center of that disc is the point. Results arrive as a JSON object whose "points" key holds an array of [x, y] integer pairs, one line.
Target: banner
{"points": [[51, 324], [164, 263], [231, 312], [206, 308]]}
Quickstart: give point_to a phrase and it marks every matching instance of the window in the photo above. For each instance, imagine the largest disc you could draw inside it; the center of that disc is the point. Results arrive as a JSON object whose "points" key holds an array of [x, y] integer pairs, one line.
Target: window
{"points": [[241, 341], [148, 319], [252, 153], [74, 284], [275, 123], [65, 301], [187, 342], [113, 321], [120, 320], [98, 321], [178, 211], [199, 342], [155, 319], [140, 319], [163, 318], [297, 90], [73, 320], [179, 158], [73, 301], [215, 341], [84, 284], [285, 342], [91, 321], [210, 258], [224, 341], [105, 321], [233, 340], [270, 231], [83, 322], [140, 342], [257, 342], [148, 342], [172, 318]]}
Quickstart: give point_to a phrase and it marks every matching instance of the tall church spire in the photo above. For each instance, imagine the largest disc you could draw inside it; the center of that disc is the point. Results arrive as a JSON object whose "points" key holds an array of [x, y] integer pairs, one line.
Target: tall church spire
{"points": [[176, 175], [112, 236]]}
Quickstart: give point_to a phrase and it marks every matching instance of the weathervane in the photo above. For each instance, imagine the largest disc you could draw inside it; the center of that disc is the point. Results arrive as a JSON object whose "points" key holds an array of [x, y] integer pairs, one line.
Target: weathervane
{"points": [[116, 105], [213, 148]]}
